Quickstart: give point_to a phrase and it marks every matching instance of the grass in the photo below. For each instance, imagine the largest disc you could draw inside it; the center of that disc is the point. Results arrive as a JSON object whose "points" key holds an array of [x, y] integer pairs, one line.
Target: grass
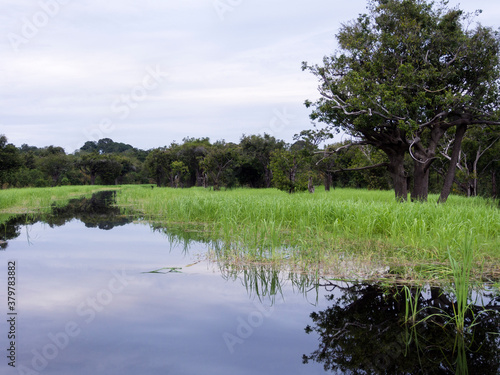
{"points": [[345, 227], [460, 289], [462, 284], [39, 200], [412, 296], [345, 232]]}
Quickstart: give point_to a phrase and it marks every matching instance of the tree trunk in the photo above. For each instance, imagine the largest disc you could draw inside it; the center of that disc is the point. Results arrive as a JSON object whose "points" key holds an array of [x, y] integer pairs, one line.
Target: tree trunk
{"points": [[292, 174], [420, 182], [198, 178], [310, 185], [450, 174], [328, 181], [493, 184], [474, 172], [397, 171], [423, 159], [268, 176]]}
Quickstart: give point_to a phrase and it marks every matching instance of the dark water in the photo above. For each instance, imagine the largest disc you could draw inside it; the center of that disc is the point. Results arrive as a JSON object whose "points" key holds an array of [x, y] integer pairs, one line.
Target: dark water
{"points": [[99, 294]]}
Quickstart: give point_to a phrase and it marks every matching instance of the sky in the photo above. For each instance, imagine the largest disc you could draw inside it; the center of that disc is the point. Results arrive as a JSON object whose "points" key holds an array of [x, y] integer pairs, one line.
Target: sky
{"points": [[152, 72]]}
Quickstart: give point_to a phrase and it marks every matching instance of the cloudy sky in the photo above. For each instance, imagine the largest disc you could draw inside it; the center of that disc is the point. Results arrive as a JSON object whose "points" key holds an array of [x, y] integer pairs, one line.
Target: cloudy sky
{"points": [[153, 71]]}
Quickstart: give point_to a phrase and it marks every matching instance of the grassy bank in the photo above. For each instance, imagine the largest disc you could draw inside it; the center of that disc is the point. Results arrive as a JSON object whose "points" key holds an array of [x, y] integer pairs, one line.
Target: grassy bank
{"points": [[40, 200], [334, 231], [344, 232]]}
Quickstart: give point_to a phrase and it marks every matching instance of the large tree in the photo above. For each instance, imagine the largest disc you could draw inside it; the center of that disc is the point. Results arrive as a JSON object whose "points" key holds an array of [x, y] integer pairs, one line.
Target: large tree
{"points": [[219, 164], [291, 167], [256, 166], [405, 74], [54, 163]]}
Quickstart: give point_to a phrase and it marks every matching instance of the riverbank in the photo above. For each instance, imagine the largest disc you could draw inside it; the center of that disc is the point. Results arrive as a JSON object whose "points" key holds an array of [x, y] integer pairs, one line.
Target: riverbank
{"points": [[358, 230], [344, 233]]}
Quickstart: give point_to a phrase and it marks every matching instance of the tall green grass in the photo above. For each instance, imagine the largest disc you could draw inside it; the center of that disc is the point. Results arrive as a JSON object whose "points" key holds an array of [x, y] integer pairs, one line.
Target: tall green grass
{"points": [[323, 226], [40, 200], [316, 231], [461, 288]]}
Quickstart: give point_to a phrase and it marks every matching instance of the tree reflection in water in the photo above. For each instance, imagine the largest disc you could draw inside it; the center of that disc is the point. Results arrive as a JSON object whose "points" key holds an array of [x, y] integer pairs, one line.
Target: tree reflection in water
{"points": [[363, 332], [95, 212]]}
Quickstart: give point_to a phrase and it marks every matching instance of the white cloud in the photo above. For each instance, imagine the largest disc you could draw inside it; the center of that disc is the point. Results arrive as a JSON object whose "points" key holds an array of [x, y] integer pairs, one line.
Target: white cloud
{"points": [[226, 72]]}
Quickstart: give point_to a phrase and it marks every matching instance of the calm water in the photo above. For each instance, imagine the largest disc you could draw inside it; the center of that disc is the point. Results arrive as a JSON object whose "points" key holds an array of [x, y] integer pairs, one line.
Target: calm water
{"points": [[121, 320], [127, 299]]}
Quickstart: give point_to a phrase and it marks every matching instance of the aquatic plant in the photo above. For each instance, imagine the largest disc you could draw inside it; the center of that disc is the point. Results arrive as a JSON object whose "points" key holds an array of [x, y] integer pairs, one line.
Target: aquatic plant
{"points": [[412, 296], [462, 269], [326, 231], [321, 229]]}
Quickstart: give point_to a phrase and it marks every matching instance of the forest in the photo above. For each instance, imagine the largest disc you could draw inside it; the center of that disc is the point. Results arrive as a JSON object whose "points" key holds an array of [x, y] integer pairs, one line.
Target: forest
{"points": [[413, 87], [257, 161]]}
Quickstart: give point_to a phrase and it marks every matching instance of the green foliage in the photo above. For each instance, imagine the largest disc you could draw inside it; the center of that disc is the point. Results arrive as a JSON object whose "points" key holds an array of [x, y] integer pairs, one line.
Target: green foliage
{"points": [[9, 159], [289, 170], [190, 153], [354, 233], [158, 164], [54, 164], [479, 163], [346, 227], [256, 159], [405, 74], [196, 162], [106, 146], [219, 165], [180, 171], [25, 177]]}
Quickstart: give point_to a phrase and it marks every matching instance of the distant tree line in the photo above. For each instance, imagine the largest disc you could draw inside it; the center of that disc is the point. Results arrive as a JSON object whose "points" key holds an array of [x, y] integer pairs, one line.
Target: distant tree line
{"points": [[257, 161], [414, 85]]}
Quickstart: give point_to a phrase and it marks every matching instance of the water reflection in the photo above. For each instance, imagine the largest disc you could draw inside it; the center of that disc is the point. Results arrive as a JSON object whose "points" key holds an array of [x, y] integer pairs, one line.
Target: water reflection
{"points": [[267, 282], [362, 332], [95, 212], [184, 235], [143, 302]]}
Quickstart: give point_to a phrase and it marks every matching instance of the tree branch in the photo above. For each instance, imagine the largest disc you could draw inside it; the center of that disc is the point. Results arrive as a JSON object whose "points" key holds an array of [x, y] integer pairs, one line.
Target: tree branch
{"points": [[433, 119], [361, 143], [340, 104], [361, 168]]}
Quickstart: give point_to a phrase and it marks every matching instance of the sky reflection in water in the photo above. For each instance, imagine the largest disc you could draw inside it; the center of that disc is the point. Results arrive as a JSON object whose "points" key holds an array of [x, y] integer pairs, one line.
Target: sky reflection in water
{"points": [[88, 303], [93, 283]]}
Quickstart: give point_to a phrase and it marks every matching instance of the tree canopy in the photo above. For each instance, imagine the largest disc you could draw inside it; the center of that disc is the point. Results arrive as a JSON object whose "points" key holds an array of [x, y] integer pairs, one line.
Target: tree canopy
{"points": [[405, 74]]}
